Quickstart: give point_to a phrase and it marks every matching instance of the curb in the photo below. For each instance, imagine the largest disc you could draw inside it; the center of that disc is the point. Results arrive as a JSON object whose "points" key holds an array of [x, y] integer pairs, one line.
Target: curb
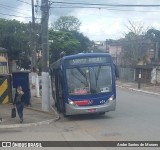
{"points": [[137, 90], [27, 124]]}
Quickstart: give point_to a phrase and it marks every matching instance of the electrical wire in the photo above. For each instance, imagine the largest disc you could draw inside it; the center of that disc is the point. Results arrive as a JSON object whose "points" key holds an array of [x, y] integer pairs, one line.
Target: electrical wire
{"points": [[14, 15], [24, 2], [7, 7], [101, 6], [12, 10], [107, 8], [112, 5]]}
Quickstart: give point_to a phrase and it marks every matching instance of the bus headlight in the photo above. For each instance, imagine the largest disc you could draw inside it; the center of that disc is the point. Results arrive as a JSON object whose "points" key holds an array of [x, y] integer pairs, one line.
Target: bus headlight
{"points": [[111, 98], [71, 102]]}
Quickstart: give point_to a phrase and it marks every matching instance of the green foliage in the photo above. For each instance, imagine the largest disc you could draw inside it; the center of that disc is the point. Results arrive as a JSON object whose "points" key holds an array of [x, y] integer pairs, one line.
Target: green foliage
{"points": [[85, 43], [14, 36], [66, 38], [68, 42], [67, 23], [62, 41], [24, 62]]}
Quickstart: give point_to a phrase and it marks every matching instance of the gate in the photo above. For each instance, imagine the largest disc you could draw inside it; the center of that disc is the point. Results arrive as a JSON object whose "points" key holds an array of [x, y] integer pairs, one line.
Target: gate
{"points": [[127, 74]]}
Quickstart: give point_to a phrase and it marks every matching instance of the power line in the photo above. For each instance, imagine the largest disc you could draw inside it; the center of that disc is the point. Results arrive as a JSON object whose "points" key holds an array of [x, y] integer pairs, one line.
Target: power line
{"points": [[11, 10], [130, 10], [24, 2], [112, 5], [5, 6], [107, 8], [14, 15]]}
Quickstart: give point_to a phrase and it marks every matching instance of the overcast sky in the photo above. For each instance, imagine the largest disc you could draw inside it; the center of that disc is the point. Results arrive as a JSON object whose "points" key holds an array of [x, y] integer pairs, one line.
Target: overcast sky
{"points": [[100, 23]]}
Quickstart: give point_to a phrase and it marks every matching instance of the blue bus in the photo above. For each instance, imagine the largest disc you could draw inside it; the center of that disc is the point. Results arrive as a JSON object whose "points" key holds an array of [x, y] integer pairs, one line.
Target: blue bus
{"points": [[84, 84]]}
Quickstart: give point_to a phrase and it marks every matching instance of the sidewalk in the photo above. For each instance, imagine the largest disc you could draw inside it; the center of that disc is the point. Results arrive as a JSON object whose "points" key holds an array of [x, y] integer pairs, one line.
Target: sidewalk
{"points": [[146, 88], [33, 115]]}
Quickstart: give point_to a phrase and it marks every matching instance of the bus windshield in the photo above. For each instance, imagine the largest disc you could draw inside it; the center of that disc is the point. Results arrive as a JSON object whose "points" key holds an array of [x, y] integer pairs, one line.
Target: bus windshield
{"points": [[89, 80]]}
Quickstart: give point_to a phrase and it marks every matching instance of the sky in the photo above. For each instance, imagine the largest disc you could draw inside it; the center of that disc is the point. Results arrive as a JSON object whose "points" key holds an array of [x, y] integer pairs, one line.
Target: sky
{"points": [[99, 23]]}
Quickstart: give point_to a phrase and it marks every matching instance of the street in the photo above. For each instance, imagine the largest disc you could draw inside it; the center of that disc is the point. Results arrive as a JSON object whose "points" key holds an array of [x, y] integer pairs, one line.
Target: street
{"points": [[136, 119], [60, 59]]}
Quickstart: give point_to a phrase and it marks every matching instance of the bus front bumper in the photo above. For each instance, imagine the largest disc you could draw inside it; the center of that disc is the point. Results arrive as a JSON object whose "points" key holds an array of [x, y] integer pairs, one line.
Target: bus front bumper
{"points": [[75, 110]]}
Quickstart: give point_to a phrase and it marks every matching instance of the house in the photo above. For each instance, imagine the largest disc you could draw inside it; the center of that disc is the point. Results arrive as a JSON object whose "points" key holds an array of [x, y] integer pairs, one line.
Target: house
{"points": [[114, 48], [99, 46], [148, 68]]}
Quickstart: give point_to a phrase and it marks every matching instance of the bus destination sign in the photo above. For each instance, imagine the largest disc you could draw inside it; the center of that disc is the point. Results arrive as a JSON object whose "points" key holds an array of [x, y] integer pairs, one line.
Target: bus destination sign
{"points": [[87, 60]]}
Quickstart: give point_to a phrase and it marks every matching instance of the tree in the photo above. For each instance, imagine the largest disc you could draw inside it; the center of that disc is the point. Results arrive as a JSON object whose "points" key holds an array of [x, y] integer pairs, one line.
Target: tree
{"points": [[134, 45], [62, 42], [154, 36], [15, 37], [84, 41], [66, 38], [66, 23], [136, 28]]}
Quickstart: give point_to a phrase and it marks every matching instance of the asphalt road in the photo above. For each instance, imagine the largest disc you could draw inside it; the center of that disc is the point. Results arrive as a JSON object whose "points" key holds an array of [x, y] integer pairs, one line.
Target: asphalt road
{"points": [[135, 119]]}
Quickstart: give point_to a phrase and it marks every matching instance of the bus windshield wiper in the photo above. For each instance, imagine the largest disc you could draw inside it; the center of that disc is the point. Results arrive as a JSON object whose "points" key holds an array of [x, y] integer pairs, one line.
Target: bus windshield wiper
{"points": [[97, 75], [78, 78], [83, 74]]}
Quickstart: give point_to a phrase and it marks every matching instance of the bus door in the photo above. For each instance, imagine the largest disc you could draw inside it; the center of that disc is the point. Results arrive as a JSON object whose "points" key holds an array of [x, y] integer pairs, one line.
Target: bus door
{"points": [[52, 73], [59, 91]]}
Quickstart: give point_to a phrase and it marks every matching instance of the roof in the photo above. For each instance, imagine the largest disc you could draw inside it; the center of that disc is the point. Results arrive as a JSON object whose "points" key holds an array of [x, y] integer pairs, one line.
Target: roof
{"points": [[144, 66]]}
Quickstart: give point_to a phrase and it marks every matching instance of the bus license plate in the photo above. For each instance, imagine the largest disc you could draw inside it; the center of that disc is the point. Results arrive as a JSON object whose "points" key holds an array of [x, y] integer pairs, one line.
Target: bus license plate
{"points": [[92, 110]]}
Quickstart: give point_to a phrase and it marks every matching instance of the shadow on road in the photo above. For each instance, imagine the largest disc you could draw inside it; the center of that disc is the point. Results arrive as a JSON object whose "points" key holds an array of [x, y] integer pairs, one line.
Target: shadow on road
{"points": [[86, 117]]}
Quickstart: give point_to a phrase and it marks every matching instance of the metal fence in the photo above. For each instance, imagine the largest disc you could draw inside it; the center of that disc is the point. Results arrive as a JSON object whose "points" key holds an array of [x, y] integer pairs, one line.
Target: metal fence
{"points": [[127, 74]]}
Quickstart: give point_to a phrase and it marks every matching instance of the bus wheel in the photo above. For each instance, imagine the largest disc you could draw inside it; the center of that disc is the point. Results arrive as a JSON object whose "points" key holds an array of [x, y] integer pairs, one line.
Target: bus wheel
{"points": [[60, 107], [64, 115]]}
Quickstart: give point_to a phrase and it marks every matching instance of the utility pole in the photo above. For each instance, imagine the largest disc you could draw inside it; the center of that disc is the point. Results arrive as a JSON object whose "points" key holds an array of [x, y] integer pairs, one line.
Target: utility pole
{"points": [[33, 42], [45, 56], [35, 80]]}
